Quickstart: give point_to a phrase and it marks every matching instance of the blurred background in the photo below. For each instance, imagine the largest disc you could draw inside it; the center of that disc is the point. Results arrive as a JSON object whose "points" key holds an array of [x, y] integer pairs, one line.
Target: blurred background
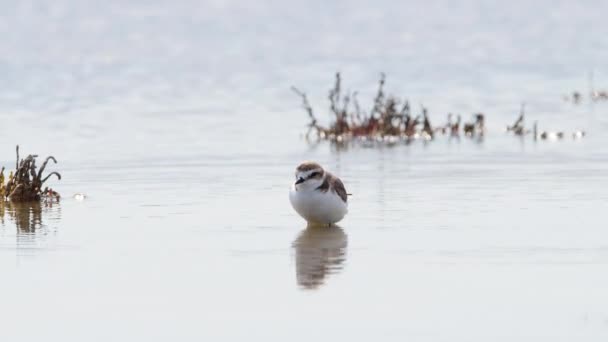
{"points": [[177, 121]]}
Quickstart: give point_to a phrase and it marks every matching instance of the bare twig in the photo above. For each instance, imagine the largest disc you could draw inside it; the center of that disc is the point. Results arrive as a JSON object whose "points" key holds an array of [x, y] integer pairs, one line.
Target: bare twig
{"points": [[379, 96], [334, 96], [357, 107], [26, 183], [405, 110], [44, 166], [306, 105], [50, 174]]}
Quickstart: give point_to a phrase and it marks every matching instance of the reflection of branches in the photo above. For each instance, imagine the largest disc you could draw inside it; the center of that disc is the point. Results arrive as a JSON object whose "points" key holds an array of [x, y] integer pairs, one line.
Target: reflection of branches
{"points": [[27, 216]]}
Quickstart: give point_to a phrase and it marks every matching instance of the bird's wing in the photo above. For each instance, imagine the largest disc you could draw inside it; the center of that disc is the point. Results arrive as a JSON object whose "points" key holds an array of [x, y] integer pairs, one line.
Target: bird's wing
{"points": [[338, 187]]}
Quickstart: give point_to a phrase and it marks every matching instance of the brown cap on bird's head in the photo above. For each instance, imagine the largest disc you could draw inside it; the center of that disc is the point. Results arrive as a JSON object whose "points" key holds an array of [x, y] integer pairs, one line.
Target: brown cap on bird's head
{"points": [[307, 166]]}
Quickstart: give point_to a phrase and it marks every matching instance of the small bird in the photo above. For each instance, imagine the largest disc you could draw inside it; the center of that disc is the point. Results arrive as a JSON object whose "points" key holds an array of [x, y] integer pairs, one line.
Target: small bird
{"points": [[317, 195]]}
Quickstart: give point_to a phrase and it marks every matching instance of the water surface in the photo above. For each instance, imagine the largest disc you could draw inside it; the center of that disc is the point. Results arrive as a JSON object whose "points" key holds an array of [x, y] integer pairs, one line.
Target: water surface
{"points": [[178, 123]]}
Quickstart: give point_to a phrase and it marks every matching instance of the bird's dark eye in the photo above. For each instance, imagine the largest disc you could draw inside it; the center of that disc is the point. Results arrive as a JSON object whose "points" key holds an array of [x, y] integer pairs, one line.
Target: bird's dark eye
{"points": [[314, 174]]}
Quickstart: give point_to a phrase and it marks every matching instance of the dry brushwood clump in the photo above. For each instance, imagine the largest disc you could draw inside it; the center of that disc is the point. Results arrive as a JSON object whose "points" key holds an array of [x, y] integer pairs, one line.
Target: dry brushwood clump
{"points": [[383, 119], [390, 119], [25, 183]]}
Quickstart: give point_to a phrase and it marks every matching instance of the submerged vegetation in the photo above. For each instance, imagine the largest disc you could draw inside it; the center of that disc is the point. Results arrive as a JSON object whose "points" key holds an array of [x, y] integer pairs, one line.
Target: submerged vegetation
{"points": [[25, 183], [391, 120]]}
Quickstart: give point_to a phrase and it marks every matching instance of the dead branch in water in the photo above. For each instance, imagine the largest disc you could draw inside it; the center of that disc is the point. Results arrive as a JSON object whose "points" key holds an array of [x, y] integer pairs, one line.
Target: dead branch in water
{"points": [[313, 120], [388, 116], [25, 184], [391, 119]]}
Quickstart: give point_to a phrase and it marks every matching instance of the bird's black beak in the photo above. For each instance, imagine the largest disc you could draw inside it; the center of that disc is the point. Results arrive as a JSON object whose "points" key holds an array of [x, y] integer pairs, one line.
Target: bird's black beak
{"points": [[300, 180]]}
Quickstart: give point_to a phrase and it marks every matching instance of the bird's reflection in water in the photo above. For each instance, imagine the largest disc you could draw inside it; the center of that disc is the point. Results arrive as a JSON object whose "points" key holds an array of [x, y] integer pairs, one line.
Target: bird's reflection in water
{"points": [[27, 216], [319, 251]]}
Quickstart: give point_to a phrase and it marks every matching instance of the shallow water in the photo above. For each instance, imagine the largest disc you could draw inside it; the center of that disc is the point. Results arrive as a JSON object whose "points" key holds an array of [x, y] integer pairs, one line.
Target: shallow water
{"points": [[178, 123]]}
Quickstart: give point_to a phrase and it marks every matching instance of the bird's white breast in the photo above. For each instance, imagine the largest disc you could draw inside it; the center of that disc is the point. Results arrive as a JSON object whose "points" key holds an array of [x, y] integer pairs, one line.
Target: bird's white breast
{"points": [[317, 206]]}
